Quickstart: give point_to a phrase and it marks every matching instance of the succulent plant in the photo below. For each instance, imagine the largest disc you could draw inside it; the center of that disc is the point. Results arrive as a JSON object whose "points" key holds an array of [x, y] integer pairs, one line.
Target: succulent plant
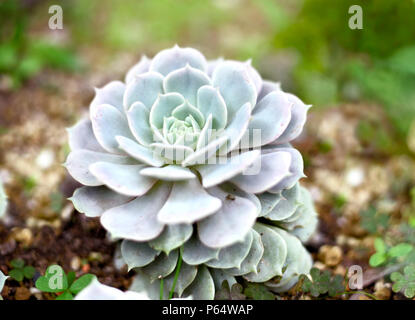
{"points": [[3, 201], [189, 163], [3, 279]]}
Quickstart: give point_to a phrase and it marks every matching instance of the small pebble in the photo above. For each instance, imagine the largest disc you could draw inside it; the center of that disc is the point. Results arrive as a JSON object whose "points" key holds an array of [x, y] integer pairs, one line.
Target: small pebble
{"points": [[23, 235], [95, 256], [45, 159], [382, 290], [76, 263], [319, 265], [330, 255], [37, 293], [22, 293], [340, 270]]}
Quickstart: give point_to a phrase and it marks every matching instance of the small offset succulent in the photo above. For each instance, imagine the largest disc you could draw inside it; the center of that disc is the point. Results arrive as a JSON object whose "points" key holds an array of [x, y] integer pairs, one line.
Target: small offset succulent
{"points": [[189, 163], [3, 201]]}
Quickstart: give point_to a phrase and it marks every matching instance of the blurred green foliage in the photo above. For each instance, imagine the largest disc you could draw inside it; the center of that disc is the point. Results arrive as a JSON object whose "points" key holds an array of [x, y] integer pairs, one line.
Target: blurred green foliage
{"points": [[337, 64], [22, 55], [306, 44]]}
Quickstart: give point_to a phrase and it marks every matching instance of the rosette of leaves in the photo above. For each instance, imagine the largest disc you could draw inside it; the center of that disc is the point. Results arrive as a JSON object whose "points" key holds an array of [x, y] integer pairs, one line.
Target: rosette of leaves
{"points": [[172, 164]]}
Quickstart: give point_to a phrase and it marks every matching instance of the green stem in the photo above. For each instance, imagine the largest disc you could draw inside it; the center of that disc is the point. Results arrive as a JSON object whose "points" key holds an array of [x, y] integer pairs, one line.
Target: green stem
{"points": [[161, 289], [359, 292], [176, 276]]}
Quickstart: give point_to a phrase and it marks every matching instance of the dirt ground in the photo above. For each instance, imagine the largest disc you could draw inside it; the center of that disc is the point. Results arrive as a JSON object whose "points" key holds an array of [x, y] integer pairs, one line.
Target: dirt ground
{"points": [[345, 176]]}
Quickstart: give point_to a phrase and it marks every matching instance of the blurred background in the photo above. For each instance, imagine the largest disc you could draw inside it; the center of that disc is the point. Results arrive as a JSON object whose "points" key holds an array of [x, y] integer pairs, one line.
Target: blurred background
{"points": [[358, 147]]}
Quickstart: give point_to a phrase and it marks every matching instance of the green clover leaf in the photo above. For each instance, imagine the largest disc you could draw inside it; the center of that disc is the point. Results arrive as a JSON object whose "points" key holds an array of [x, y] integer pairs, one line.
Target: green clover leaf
{"points": [[404, 282]]}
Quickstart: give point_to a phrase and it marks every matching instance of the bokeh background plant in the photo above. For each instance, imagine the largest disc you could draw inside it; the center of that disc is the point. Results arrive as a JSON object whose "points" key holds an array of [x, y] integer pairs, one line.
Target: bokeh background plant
{"points": [[358, 145]]}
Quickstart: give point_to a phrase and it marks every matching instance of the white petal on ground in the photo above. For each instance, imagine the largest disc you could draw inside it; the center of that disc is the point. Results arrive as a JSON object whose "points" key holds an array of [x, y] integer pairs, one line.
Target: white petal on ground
{"points": [[124, 179], [188, 202], [98, 291], [137, 220]]}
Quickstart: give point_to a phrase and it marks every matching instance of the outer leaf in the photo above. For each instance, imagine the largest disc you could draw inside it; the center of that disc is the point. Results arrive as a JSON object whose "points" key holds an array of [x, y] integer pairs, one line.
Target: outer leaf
{"points": [[137, 220], [203, 287], [275, 254], [230, 223], [178, 209], [94, 201], [107, 123], [195, 253], [232, 256], [172, 237], [162, 266], [137, 254], [124, 179]]}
